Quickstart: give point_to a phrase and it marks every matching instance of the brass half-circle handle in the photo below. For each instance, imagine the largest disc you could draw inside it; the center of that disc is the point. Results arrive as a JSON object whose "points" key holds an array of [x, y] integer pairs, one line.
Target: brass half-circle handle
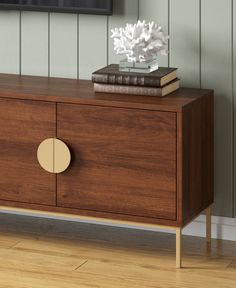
{"points": [[53, 155]]}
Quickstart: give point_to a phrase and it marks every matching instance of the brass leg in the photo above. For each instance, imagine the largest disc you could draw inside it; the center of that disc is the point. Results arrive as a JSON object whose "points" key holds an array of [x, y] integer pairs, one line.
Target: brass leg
{"points": [[208, 224], [178, 248]]}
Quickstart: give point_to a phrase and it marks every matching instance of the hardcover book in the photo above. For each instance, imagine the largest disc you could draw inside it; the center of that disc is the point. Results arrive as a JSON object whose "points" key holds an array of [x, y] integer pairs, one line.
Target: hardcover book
{"points": [[138, 90], [112, 75]]}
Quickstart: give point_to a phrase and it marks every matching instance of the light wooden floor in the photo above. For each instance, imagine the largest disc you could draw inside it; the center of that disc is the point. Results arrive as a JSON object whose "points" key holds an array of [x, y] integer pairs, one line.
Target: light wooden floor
{"points": [[42, 253]]}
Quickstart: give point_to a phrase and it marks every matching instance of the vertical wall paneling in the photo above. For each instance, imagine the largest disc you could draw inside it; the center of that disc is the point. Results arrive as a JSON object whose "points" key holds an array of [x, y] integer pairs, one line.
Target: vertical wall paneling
{"points": [[124, 11], [34, 43], [10, 42], [216, 65], [234, 96], [184, 40], [63, 45], [92, 44], [157, 11], [201, 46]]}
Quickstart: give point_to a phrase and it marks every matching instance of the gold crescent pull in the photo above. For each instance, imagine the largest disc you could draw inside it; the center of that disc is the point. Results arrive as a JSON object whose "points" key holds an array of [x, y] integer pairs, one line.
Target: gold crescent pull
{"points": [[53, 155], [62, 156]]}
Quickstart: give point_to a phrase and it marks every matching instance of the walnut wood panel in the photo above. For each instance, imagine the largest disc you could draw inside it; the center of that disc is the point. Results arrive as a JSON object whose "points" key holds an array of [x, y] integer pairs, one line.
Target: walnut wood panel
{"points": [[90, 213], [81, 92], [124, 160], [134, 158], [198, 154], [23, 125]]}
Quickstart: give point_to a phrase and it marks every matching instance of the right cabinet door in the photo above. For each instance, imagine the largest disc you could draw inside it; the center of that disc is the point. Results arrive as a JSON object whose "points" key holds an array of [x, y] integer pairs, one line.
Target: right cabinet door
{"points": [[123, 160]]}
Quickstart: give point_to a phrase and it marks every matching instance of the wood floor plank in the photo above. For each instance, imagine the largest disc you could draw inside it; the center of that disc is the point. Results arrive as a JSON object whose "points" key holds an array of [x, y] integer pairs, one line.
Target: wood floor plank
{"points": [[30, 261], [8, 242], [155, 273], [67, 254], [232, 265], [26, 279]]}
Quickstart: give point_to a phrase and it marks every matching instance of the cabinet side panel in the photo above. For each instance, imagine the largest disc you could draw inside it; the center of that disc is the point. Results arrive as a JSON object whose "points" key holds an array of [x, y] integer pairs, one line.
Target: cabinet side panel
{"points": [[23, 126], [197, 157]]}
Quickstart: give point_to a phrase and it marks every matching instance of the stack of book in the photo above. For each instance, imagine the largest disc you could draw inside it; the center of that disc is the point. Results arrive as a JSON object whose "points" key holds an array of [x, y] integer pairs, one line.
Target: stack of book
{"points": [[158, 83]]}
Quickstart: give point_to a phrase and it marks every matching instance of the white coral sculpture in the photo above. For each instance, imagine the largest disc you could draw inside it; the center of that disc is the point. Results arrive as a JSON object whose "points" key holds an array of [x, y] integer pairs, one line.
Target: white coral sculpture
{"points": [[140, 42]]}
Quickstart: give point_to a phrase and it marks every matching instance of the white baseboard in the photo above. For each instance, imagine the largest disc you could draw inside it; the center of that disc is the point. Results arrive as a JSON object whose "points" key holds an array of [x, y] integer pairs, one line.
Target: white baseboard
{"points": [[222, 227]]}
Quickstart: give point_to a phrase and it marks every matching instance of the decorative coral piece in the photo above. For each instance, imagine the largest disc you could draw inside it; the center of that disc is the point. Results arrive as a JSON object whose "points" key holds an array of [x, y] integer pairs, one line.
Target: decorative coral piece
{"points": [[140, 42]]}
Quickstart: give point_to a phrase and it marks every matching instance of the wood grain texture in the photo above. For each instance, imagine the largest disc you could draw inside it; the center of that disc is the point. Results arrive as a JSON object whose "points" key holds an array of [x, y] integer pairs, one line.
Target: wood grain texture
{"points": [[34, 43], [157, 11], [125, 150], [24, 124], [184, 41], [67, 254], [198, 155], [124, 11], [216, 61], [96, 215], [63, 45], [81, 92], [92, 43], [124, 161], [10, 42]]}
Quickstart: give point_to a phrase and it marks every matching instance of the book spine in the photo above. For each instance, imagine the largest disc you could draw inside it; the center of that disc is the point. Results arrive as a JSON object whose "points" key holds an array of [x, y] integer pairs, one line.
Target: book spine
{"points": [[133, 90], [134, 80]]}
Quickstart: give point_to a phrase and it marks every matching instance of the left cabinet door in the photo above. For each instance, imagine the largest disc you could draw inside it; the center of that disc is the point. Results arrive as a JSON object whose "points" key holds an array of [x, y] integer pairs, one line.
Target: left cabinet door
{"points": [[24, 124]]}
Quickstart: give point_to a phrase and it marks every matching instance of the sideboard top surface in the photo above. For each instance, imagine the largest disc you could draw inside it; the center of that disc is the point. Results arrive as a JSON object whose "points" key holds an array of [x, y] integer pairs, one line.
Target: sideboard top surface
{"points": [[81, 92]]}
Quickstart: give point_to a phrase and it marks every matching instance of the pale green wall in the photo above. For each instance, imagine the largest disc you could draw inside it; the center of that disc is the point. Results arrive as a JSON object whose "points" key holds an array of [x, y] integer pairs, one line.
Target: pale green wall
{"points": [[202, 46]]}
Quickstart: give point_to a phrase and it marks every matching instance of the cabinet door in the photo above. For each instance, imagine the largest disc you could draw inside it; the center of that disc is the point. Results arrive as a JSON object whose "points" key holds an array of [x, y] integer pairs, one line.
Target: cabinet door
{"points": [[124, 160], [23, 125]]}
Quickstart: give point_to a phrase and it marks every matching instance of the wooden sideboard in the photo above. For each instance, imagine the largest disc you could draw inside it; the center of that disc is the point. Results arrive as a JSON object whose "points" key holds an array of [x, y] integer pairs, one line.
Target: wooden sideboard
{"points": [[133, 159]]}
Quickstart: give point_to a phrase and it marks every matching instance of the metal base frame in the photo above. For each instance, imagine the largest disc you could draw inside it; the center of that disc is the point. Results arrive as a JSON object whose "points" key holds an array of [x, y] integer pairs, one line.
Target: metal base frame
{"points": [[178, 230]]}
